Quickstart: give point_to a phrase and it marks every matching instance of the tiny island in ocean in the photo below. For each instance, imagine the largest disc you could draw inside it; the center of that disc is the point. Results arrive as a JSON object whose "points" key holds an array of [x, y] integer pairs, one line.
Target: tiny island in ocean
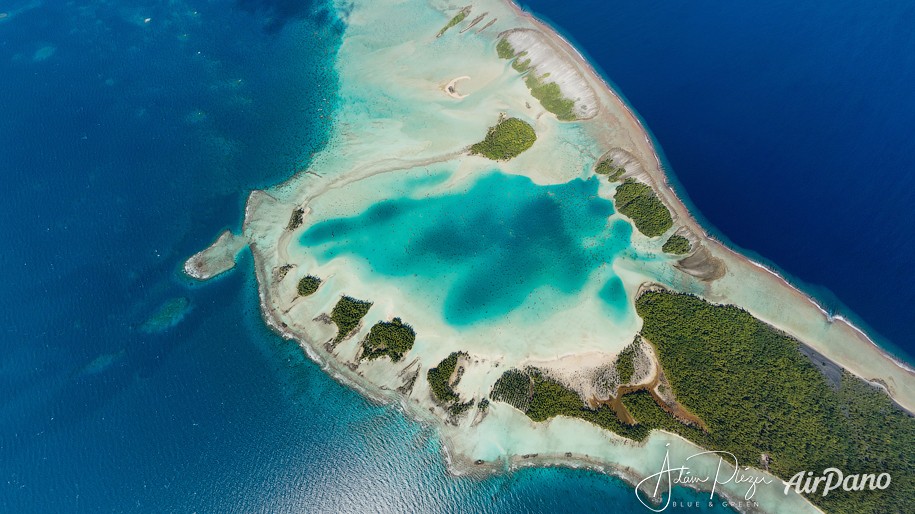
{"points": [[489, 240]]}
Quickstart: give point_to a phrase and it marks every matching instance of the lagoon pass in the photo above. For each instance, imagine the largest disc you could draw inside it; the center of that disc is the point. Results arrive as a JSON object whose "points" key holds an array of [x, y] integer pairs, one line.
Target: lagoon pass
{"points": [[488, 239]]}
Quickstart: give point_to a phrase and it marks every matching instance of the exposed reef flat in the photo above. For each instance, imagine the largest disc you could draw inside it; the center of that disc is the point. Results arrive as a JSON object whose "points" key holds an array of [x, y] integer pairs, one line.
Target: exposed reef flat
{"points": [[519, 263], [216, 259]]}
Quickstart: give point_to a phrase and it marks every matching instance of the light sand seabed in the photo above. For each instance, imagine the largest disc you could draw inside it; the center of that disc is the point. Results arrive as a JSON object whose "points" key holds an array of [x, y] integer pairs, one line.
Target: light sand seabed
{"points": [[393, 124]]}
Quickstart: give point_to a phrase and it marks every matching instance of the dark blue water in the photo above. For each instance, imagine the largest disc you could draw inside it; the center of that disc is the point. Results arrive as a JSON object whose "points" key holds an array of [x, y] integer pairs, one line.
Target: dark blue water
{"points": [[789, 126], [127, 145], [484, 251]]}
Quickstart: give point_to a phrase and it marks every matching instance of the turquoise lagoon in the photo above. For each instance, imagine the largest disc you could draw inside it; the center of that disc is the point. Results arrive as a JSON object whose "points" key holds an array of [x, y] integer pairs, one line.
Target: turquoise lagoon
{"points": [[499, 245]]}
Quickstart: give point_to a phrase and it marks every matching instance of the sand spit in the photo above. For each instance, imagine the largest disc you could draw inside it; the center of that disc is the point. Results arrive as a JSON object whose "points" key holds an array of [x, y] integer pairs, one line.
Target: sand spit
{"points": [[702, 264], [450, 88], [473, 23], [490, 23]]}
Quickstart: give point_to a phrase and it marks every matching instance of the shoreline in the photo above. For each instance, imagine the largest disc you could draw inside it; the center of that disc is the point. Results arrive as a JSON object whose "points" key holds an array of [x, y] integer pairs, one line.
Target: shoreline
{"points": [[218, 258], [458, 465], [270, 245], [659, 174], [831, 318]]}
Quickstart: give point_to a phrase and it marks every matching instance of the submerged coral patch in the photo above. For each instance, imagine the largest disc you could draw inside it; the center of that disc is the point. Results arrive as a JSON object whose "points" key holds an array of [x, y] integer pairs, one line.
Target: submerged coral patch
{"points": [[483, 252]]}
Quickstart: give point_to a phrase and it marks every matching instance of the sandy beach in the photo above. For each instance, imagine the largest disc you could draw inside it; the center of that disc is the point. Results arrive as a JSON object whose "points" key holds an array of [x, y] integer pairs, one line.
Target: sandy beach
{"points": [[408, 131]]}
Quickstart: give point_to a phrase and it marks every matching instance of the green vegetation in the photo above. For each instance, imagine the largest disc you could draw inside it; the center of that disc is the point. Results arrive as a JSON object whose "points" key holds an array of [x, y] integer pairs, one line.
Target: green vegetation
{"points": [[551, 398], [515, 388], [677, 245], [483, 405], [439, 381], [759, 394], [607, 167], [440, 375], [504, 49], [880, 438], [282, 271], [296, 219], [548, 93], [550, 97], [308, 285], [646, 411], [346, 315], [625, 362], [392, 339], [458, 408], [454, 21], [542, 398], [521, 65], [506, 140], [638, 202]]}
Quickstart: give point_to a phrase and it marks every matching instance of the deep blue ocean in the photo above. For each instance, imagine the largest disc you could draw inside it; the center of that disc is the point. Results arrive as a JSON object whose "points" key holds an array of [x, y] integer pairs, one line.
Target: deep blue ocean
{"points": [[788, 125], [132, 131]]}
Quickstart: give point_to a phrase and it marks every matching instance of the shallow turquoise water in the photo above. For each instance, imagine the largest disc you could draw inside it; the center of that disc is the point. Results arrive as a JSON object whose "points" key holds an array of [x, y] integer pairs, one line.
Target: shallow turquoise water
{"points": [[489, 247], [131, 146]]}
